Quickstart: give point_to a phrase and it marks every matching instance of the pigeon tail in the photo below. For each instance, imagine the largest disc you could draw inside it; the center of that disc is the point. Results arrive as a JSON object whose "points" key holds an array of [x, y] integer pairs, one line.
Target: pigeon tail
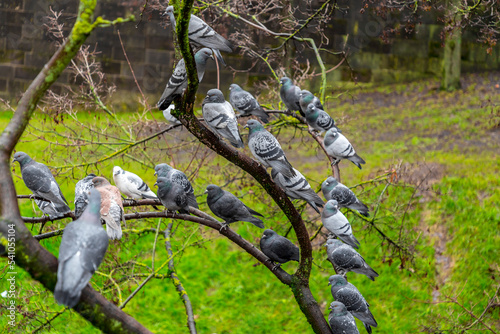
{"points": [[357, 160], [313, 205], [368, 328], [350, 240], [253, 212], [192, 201], [149, 195], [368, 271], [361, 208], [165, 102], [238, 143], [366, 317], [256, 221], [113, 233], [67, 298]]}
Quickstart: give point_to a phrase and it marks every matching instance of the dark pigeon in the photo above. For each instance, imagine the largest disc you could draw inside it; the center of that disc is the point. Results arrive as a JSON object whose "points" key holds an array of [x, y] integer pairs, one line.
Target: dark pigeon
{"points": [[335, 222], [318, 119], [332, 189], [346, 293], [201, 34], [172, 195], [345, 258], [225, 205], [340, 320], [220, 117], [338, 147], [83, 246], [290, 95], [82, 190], [266, 149], [39, 179], [176, 176], [297, 187], [245, 103], [278, 249], [306, 98], [178, 81]]}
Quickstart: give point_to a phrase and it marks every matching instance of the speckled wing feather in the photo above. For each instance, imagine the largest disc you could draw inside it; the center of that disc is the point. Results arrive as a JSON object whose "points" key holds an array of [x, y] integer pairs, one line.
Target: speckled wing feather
{"points": [[221, 119], [266, 148]]}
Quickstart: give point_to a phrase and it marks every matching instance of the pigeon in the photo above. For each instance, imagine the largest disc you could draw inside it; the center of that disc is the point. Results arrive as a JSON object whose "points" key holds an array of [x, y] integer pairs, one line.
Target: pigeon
{"points": [[39, 179], [340, 320], [47, 208], [266, 149], [245, 103], [168, 116], [220, 118], [297, 187], [225, 205], [82, 189], [178, 81], [306, 98], [131, 185], [176, 176], [201, 34], [318, 119], [345, 258], [290, 95], [278, 249], [332, 189], [338, 147], [83, 246], [172, 195], [111, 207], [346, 293], [337, 223]]}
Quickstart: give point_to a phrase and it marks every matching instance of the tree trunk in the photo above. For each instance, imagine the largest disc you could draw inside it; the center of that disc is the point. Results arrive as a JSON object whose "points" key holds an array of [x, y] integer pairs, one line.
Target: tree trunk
{"points": [[450, 80]]}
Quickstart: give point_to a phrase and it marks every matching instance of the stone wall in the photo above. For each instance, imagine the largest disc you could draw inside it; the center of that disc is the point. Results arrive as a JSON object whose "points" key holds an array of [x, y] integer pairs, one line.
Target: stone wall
{"points": [[25, 46]]}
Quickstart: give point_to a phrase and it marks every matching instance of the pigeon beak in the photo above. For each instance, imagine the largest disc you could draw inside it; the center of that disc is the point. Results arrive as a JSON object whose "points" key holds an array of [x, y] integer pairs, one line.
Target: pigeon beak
{"points": [[205, 192], [156, 184], [13, 160], [155, 173], [163, 14], [329, 283], [245, 127]]}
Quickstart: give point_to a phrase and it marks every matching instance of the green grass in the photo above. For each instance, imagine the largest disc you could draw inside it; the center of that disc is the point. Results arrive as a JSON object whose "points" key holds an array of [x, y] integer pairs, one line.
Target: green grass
{"points": [[451, 223]]}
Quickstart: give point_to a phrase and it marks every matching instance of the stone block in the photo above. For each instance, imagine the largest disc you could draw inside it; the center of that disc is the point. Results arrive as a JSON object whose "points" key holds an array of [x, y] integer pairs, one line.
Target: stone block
{"points": [[135, 55], [6, 70], [158, 56], [159, 42], [28, 73], [111, 67], [3, 85], [126, 72]]}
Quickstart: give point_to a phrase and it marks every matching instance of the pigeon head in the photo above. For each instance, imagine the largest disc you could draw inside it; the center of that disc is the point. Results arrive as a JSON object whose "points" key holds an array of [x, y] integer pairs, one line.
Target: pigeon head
{"points": [[161, 170], [332, 206], [22, 158], [285, 81], [214, 191], [234, 87], [337, 280], [333, 243], [306, 95], [214, 96], [94, 199], [268, 234], [330, 136], [169, 11], [329, 183], [338, 308], [202, 56], [311, 109], [100, 182], [117, 170], [163, 182], [254, 126]]}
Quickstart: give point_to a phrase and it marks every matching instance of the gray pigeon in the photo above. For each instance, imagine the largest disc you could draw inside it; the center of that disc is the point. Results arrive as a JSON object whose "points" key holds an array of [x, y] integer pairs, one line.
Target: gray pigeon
{"points": [[39, 179], [306, 98], [245, 103], [225, 205], [220, 117], [167, 113], [266, 149], [338, 147], [297, 187], [278, 249], [340, 320], [290, 95], [111, 207], [201, 34], [332, 189], [172, 195], [83, 246], [131, 185], [335, 222], [176, 176], [178, 81], [318, 119], [346, 293], [345, 258], [82, 190]]}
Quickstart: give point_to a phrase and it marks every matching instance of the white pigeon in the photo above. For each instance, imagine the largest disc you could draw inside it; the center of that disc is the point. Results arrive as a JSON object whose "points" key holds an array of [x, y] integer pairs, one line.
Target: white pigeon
{"points": [[131, 185]]}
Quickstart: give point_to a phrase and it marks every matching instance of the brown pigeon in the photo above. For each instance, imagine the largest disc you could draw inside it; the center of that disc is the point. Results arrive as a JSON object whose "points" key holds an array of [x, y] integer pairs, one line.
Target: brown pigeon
{"points": [[111, 207]]}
